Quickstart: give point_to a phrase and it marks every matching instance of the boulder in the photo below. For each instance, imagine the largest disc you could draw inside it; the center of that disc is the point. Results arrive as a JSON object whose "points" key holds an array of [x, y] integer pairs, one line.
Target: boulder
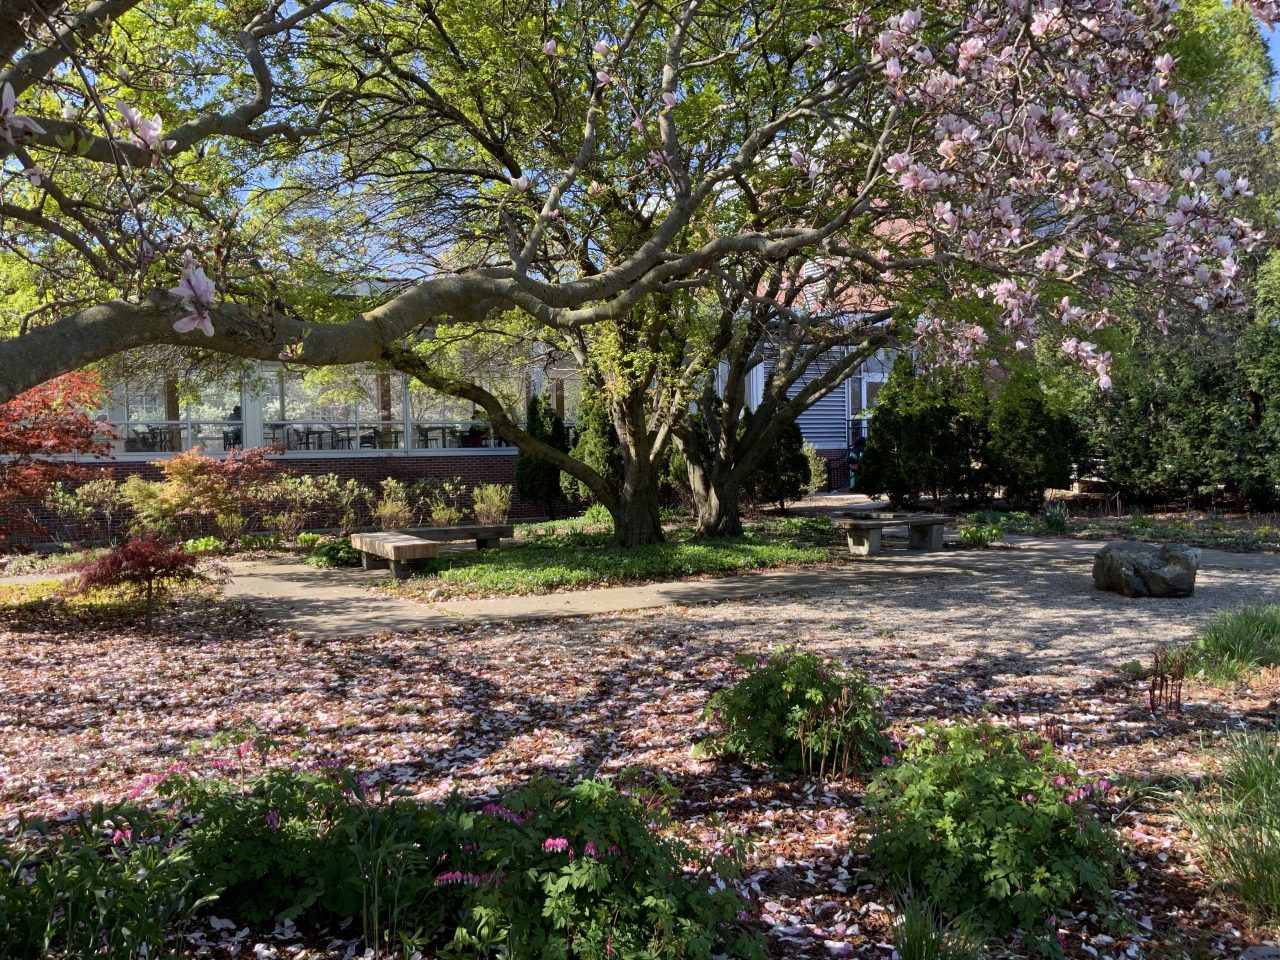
{"points": [[1145, 570]]}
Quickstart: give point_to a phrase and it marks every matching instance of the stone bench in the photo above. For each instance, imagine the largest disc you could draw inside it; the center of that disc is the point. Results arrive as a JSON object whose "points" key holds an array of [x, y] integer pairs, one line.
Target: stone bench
{"points": [[395, 550], [863, 530]]}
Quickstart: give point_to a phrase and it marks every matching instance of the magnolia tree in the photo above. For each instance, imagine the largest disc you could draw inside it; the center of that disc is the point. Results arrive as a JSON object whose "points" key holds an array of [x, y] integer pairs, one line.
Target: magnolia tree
{"points": [[602, 179]]}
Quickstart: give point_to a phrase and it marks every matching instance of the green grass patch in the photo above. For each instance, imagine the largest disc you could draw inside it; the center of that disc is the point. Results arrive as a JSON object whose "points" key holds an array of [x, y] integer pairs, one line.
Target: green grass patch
{"points": [[1237, 643], [1236, 821], [579, 560]]}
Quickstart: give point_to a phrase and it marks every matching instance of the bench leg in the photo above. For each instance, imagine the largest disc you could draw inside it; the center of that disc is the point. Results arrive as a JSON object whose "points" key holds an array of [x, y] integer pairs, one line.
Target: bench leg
{"points": [[399, 569], [486, 543], [371, 562], [863, 543], [925, 537]]}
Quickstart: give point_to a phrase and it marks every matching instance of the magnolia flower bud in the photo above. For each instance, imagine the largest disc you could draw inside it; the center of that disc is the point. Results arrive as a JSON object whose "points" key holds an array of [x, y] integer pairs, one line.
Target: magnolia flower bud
{"points": [[814, 41], [550, 48], [602, 49]]}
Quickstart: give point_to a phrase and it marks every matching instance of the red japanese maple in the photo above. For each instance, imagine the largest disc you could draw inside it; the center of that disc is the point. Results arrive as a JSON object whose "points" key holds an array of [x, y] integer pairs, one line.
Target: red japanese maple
{"points": [[148, 565], [39, 429]]}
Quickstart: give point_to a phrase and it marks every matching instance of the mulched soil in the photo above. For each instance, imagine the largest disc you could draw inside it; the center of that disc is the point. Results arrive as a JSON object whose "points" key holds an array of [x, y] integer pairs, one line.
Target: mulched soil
{"points": [[86, 711]]}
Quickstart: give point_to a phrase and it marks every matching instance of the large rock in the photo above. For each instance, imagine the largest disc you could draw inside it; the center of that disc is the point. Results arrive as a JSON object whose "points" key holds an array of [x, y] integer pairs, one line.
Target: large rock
{"points": [[1144, 570]]}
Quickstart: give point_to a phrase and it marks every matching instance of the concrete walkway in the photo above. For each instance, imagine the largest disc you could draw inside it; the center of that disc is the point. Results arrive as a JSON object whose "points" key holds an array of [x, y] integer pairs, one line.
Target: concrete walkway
{"points": [[335, 603]]}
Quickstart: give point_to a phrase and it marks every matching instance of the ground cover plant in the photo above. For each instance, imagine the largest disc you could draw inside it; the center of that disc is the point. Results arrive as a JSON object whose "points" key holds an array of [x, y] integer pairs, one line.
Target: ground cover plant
{"points": [[991, 824], [1236, 821], [798, 714], [550, 870], [547, 562], [334, 553], [1237, 643]]}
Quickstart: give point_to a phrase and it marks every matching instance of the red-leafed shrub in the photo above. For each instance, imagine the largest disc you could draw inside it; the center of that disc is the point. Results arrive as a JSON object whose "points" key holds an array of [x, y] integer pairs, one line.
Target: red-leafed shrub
{"points": [[148, 565], [37, 429]]}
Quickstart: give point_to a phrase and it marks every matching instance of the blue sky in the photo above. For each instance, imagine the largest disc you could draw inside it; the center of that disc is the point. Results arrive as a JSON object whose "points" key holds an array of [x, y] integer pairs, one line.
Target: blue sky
{"points": [[1273, 45]]}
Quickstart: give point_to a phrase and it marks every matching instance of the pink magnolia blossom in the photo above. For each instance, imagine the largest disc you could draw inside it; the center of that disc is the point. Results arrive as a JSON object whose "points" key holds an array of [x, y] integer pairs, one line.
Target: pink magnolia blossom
{"points": [[813, 42], [10, 121], [519, 184], [144, 132], [550, 48], [196, 291]]}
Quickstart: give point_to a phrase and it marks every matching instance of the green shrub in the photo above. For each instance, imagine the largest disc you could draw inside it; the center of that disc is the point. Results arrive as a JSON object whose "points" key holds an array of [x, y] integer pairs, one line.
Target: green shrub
{"points": [[1032, 445], [980, 536], [113, 884], [800, 715], [1054, 518], [817, 469], [153, 513], [1236, 821], [334, 553], [1237, 643], [536, 479], [988, 821], [309, 540], [491, 502], [203, 545], [783, 474], [553, 866]]}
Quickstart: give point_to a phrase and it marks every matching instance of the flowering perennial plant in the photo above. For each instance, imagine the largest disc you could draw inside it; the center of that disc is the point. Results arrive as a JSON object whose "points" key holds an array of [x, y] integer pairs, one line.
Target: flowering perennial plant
{"points": [[991, 822]]}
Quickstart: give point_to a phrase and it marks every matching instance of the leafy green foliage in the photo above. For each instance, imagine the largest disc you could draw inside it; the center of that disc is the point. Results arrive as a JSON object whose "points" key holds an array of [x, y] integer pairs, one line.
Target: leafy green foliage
{"points": [[579, 872], [203, 545], [491, 502], [922, 932], [1055, 518], [1236, 820], [1236, 644], [784, 472], [536, 479], [928, 434], [309, 540], [112, 884], [596, 445], [334, 553], [572, 872], [979, 536], [261, 542], [1031, 447], [799, 714], [989, 821]]}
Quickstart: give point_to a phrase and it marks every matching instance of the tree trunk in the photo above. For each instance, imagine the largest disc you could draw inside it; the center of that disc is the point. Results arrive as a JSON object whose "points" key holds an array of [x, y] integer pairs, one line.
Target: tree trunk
{"points": [[715, 500], [635, 516]]}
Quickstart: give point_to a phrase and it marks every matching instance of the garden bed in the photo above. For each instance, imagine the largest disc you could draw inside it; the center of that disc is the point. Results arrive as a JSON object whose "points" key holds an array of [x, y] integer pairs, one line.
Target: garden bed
{"points": [[88, 715]]}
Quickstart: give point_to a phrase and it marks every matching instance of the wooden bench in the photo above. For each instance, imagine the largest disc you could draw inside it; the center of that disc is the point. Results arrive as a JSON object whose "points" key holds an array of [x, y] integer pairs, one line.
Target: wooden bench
{"points": [[485, 535], [862, 530], [395, 550]]}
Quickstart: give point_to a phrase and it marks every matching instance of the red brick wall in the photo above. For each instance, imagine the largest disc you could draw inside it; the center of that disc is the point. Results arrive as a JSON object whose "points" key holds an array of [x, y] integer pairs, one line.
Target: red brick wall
{"points": [[472, 469]]}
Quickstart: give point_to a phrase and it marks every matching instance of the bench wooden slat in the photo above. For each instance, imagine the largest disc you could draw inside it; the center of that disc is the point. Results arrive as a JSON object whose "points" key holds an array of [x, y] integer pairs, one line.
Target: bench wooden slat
{"points": [[473, 531], [395, 546]]}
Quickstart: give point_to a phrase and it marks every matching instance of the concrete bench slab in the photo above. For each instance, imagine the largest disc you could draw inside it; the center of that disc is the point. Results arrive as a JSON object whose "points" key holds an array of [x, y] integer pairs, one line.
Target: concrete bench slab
{"points": [[863, 531], [395, 550]]}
